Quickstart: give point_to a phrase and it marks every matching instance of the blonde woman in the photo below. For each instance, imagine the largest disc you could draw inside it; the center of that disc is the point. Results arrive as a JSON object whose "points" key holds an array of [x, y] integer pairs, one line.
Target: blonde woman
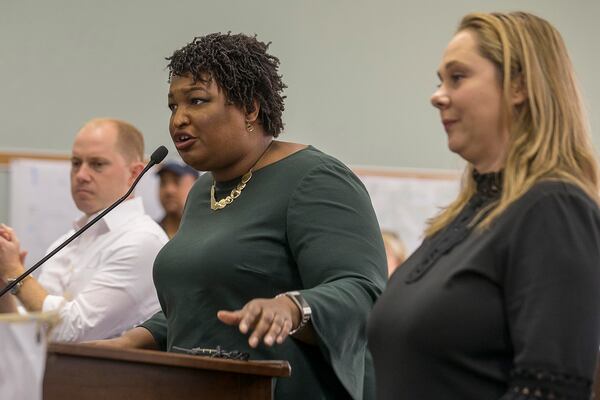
{"points": [[501, 301]]}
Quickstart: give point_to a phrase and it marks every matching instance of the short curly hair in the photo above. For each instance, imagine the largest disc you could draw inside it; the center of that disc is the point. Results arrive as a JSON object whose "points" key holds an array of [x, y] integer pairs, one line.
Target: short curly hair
{"points": [[241, 67]]}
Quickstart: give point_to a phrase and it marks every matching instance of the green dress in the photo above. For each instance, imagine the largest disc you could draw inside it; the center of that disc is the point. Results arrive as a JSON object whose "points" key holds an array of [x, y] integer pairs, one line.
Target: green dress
{"points": [[303, 223]]}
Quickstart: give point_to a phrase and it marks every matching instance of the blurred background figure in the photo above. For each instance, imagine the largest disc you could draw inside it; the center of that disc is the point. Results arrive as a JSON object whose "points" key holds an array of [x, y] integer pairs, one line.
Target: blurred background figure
{"points": [[176, 180], [395, 250]]}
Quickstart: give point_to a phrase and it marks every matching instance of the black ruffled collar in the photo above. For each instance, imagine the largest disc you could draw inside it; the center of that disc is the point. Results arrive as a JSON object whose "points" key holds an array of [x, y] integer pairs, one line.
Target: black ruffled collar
{"points": [[488, 184]]}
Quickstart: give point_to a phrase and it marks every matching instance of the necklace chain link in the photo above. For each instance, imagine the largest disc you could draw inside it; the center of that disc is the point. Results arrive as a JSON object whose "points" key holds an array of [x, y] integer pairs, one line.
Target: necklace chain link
{"points": [[235, 193]]}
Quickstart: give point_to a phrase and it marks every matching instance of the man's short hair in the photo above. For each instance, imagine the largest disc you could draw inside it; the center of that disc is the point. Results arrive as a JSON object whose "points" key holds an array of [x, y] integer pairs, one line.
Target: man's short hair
{"points": [[130, 141]]}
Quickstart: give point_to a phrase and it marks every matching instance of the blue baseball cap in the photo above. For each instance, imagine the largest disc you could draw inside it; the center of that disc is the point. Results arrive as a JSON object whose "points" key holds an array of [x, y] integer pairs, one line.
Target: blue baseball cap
{"points": [[176, 167]]}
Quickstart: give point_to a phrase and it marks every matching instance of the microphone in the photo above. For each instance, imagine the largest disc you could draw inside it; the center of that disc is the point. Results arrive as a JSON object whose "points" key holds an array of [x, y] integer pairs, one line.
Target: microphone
{"points": [[159, 154]]}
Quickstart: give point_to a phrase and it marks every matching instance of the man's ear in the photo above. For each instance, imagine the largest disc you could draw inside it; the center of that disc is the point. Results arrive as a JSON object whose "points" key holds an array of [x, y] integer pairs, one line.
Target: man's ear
{"points": [[135, 168], [253, 115]]}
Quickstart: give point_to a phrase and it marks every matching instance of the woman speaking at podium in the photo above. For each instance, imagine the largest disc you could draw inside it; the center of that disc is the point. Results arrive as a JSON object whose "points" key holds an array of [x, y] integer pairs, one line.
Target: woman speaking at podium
{"points": [[279, 252]]}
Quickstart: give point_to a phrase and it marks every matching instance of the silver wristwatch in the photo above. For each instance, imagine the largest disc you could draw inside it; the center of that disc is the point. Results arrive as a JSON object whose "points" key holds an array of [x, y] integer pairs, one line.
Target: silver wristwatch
{"points": [[305, 310], [15, 289]]}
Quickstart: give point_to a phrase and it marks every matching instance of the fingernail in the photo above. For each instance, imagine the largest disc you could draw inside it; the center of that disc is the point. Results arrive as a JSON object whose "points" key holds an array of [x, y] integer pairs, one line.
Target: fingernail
{"points": [[243, 328], [253, 342], [269, 340]]}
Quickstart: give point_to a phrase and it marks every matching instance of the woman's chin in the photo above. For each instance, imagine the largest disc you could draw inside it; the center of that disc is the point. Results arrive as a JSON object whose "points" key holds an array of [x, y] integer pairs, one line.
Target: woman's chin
{"points": [[456, 147], [192, 160]]}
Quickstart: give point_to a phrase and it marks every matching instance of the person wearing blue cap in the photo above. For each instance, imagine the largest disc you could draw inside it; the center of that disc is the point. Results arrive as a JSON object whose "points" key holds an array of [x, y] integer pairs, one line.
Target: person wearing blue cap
{"points": [[176, 180]]}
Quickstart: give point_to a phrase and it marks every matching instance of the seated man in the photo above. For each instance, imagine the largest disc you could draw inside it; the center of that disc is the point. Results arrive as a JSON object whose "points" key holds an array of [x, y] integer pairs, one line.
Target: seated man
{"points": [[176, 180], [7, 303], [101, 283]]}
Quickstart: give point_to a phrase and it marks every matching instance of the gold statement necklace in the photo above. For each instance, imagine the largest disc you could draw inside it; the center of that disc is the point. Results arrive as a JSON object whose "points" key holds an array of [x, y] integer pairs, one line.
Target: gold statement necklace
{"points": [[235, 193]]}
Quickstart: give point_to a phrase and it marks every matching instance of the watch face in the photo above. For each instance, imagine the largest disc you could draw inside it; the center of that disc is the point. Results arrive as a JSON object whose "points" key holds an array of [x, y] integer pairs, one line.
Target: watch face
{"points": [[305, 311]]}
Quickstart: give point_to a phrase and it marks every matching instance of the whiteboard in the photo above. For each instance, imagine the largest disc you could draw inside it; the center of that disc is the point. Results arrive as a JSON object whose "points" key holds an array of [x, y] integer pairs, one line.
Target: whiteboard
{"points": [[41, 208], [404, 203]]}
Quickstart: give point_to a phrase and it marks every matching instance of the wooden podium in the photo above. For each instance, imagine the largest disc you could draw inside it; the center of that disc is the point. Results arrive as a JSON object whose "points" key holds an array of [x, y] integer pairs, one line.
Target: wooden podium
{"points": [[86, 372]]}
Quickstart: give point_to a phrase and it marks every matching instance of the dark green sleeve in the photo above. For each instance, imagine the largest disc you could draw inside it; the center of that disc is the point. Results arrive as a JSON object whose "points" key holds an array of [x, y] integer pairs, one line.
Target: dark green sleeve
{"points": [[336, 241], [157, 325]]}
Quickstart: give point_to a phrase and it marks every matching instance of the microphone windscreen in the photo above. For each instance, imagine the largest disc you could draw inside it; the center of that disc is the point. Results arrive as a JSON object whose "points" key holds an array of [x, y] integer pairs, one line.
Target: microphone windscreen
{"points": [[159, 154]]}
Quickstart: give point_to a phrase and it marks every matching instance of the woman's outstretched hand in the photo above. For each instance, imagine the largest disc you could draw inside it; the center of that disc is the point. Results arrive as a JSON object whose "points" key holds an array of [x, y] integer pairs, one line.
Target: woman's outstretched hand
{"points": [[269, 320]]}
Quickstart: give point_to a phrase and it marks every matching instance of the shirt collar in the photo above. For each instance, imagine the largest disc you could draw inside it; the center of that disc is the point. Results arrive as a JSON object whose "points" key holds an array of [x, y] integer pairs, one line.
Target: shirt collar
{"points": [[488, 184], [117, 217]]}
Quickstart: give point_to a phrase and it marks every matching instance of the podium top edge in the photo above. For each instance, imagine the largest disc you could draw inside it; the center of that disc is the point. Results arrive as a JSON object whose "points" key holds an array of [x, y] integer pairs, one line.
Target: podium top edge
{"points": [[274, 368]]}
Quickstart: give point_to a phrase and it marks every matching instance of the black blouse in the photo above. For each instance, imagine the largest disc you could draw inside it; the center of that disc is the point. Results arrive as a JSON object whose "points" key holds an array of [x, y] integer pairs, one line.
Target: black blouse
{"points": [[510, 312]]}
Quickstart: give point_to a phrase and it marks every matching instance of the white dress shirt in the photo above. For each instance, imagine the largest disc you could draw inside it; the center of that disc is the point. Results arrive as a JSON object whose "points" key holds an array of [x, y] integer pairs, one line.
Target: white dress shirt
{"points": [[101, 283]]}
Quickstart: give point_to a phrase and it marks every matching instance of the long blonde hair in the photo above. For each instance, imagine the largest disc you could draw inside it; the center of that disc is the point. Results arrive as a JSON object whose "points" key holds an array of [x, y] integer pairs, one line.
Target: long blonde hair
{"points": [[548, 133]]}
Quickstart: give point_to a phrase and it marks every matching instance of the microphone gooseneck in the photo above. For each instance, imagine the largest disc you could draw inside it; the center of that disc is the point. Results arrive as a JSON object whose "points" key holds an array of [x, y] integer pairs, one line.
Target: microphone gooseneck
{"points": [[157, 156]]}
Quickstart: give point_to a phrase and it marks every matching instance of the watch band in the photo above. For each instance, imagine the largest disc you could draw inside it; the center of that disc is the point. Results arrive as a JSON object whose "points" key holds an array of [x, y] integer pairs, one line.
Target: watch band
{"points": [[15, 289], [305, 311]]}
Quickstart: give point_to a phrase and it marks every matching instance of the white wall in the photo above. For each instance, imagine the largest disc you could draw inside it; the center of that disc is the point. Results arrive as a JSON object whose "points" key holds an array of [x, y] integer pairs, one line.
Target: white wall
{"points": [[360, 73]]}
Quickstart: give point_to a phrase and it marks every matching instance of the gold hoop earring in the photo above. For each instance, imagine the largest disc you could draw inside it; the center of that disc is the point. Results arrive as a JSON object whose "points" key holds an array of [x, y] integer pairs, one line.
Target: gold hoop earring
{"points": [[249, 127]]}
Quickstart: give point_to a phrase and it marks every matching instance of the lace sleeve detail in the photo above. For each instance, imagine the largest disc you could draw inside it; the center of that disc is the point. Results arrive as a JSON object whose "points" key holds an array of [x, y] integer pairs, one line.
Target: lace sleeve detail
{"points": [[542, 384]]}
